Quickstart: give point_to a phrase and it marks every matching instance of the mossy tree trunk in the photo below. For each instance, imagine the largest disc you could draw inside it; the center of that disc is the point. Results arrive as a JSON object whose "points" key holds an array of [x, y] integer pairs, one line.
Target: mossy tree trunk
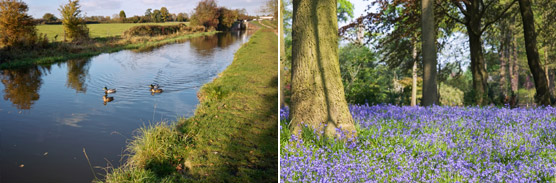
{"points": [[282, 54], [318, 98], [429, 53], [541, 84]]}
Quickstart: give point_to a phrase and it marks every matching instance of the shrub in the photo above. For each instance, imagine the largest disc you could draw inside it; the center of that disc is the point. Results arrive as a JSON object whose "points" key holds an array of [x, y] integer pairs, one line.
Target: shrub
{"points": [[16, 27], [74, 24], [155, 30]]}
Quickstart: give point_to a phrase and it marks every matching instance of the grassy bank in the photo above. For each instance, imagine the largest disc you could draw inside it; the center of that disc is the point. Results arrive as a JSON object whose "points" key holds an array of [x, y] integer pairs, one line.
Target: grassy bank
{"points": [[102, 30], [59, 51], [231, 138]]}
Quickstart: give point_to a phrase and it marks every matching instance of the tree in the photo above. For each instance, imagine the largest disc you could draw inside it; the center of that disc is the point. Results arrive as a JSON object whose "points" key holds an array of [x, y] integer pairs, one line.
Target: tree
{"points": [[74, 25], [429, 53], [122, 15], [227, 18], [206, 14], [541, 83], [318, 98], [164, 14], [182, 17], [49, 17], [271, 7], [16, 27], [156, 16], [345, 10], [478, 16]]}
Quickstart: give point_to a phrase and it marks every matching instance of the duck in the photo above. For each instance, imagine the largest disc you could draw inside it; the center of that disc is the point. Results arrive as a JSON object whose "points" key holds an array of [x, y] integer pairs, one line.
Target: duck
{"points": [[154, 86], [156, 90], [106, 90], [107, 99]]}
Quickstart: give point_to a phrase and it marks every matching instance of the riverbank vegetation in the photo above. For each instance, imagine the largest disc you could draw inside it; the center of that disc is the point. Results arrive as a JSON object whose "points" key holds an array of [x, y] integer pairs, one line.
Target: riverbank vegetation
{"points": [[231, 137]]}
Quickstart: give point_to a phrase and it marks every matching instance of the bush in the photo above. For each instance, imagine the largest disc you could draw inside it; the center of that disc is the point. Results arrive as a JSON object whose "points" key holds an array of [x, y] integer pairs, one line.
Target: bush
{"points": [[74, 25], [16, 27], [450, 96], [155, 30]]}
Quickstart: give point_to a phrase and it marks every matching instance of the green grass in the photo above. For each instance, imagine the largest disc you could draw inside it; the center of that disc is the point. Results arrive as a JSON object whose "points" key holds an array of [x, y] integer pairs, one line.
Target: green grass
{"points": [[231, 138], [95, 30]]}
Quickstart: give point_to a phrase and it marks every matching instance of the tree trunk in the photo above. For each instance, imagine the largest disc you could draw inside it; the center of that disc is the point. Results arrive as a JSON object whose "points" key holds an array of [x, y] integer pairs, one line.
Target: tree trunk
{"points": [[318, 98], [429, 53], [282, 56], [503, 68], [515, 61], [541, 83], [478, 70], [414, 78]]}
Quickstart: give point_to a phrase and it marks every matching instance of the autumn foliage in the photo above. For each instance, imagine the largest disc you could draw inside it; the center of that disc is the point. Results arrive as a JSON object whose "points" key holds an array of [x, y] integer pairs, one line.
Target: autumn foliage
{"points": [[16, 26]]}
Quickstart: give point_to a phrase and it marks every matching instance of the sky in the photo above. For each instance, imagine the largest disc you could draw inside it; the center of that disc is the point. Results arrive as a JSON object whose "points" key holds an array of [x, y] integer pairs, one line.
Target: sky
{"points": [[37, 8]]}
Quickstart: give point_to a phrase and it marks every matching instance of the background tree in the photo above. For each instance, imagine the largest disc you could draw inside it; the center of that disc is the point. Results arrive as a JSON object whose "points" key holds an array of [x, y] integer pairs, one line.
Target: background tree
{"points": [[74, 25], [49, 17], [478, 15], [122, 16], [429, 53], [156, 16], [165, 15], [206, 14], [345, 10], [16, 27], [227, 18], [541, 83], [317, 91], [182, 17]]}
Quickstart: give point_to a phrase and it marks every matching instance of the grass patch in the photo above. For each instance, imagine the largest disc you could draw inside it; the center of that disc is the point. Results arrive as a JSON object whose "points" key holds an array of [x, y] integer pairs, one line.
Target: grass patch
{"points": [[231, 138]]}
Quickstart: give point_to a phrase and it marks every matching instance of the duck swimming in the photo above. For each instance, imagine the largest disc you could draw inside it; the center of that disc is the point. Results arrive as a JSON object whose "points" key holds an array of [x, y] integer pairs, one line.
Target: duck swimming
{"points": [[106, 90], [156, 90]]}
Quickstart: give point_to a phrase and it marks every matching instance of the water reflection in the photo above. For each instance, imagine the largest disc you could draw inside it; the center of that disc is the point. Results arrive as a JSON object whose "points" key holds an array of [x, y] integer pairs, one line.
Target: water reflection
{"points": [[21, 86], [204, 45], [77, 73]]}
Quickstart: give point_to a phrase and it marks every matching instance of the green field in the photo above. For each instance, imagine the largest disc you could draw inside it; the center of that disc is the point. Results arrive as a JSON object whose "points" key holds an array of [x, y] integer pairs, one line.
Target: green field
{"points": [[95, 30]]}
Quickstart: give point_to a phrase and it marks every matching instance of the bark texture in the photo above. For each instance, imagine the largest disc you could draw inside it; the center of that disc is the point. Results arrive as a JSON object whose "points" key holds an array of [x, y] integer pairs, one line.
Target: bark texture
{"points": [[541, 84], [429, 53], [318, 98], [414, 76], [282, 55]]}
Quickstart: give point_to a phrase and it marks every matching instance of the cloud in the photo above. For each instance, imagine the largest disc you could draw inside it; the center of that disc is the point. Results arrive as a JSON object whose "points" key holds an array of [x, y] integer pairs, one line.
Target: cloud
{"points": [[95, 5]]}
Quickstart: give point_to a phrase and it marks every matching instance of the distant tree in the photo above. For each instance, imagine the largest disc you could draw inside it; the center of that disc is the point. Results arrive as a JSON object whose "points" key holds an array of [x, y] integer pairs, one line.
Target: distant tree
{"points": [[227, 18], [74, 25], [345, 10], [206, 14], [156, 16], [182, 17], [271, 8], [122, 15], [49, 17], [16, 27], [164, 14], [541, 83]]}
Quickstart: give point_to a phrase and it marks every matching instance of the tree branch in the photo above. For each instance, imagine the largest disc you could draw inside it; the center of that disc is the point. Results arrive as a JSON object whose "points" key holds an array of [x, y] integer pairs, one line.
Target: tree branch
{"points": [[450, 16], [499, 16]]}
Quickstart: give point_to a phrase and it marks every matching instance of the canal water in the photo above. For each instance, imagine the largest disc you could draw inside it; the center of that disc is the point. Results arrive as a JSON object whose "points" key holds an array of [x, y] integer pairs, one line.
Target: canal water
{"points": [[50, 114]]}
